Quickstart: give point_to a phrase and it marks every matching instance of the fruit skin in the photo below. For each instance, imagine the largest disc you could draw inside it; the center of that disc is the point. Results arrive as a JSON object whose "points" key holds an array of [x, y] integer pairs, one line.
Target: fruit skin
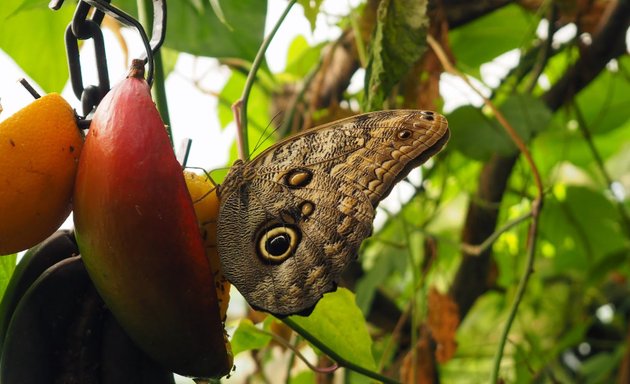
{"points": [[139, 238], [60, 331], [39, 149], [203, 193], [55, 248]]}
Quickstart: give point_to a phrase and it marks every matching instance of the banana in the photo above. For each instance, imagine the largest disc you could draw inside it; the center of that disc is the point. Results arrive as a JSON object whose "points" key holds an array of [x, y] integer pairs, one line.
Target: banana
{"points": [[60, 330], [35, 261], [41, 327], [122, 362]]}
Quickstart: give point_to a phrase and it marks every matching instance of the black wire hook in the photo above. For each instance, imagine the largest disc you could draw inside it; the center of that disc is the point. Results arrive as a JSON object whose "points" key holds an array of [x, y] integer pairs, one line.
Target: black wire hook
{"points": [[158, 31], [157, 35]]}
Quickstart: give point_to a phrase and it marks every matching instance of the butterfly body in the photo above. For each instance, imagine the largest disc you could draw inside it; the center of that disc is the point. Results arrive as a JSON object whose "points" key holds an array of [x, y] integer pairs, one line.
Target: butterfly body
{"points": [[293, 218]]}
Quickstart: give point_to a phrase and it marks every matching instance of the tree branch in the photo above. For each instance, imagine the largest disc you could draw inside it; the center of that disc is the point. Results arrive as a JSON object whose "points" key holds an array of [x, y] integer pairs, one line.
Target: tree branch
{"points": [[477, 274], [608, 44]]}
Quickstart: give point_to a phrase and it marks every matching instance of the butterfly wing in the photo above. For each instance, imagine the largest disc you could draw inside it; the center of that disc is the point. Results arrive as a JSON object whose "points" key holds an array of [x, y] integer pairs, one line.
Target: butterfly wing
{"points": [[292, 219]]}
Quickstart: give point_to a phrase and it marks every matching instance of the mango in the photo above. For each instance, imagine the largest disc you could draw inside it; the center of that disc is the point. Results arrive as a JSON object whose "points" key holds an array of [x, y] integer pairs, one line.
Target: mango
{"points": [[139, 237]]}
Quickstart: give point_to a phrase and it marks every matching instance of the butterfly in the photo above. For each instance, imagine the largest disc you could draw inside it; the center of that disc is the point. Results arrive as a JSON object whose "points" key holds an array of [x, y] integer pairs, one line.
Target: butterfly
{"points": [[293, 218]]}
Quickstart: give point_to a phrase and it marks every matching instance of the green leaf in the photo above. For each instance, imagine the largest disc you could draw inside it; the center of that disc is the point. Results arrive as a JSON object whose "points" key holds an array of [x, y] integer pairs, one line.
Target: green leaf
{"points": [[257, 106], [604, 103], [218, 11], [601, 367], [7, 265], [614, 261], [478, 136], [311, 9], [475, 135], [527, 114], [563, 143], [195, 28], [301, 57], [581, 227], [571, 337], [304, 377], [366, 287], [200, 32], [169, 59], [248, 337], [33, 36], [337, 326], [399, 41], [485, 38]]}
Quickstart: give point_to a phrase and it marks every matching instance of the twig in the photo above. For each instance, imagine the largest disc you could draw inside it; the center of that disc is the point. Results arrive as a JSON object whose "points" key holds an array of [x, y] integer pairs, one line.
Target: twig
{"points": [[520, 291], [333, 354], [297, 353], [158, 90], [413, 304], [546, 50], [292, 359], [476, 250], [499, 116], [249, 83], [535, 211]]}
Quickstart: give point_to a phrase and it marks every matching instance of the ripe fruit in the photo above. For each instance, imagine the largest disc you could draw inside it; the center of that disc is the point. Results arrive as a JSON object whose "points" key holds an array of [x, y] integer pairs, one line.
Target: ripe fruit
{"points": [[58, 330], [206, 203], [138, 235], [39, 150]]}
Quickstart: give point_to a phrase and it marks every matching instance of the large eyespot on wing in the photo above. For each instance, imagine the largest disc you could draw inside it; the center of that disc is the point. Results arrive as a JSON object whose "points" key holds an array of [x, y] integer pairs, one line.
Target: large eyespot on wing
{"points": [[303, 228], [276, 243]]}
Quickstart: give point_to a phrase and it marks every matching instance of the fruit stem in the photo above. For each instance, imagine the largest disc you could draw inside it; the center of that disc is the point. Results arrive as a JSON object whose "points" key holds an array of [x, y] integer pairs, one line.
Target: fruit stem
{"points": [[158, 92], [249, 83], [136, 70], [30, 88]]}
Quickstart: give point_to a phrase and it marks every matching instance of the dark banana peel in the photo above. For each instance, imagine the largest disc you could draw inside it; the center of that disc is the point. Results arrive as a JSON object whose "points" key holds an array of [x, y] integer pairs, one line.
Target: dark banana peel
{"points": [[35, 261], [42, 327], [61, 332], [122, 362]]}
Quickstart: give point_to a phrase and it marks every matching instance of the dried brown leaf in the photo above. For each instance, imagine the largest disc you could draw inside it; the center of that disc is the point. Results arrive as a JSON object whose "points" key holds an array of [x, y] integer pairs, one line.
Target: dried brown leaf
{"points": [[443, 321]]}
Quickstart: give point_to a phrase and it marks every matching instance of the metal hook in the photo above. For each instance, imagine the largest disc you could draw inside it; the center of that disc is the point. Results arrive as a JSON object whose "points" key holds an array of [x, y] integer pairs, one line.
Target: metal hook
{"points": [[158, 32]]}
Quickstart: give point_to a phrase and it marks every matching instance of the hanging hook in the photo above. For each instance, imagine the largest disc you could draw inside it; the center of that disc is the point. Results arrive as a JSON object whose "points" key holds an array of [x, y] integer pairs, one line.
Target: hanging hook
{"points": [[158, 32], [85, 27]]}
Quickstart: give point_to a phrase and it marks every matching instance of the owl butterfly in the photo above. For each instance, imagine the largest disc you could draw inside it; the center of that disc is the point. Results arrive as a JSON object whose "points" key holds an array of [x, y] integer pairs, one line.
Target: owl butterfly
{"points": [[293, 218]]}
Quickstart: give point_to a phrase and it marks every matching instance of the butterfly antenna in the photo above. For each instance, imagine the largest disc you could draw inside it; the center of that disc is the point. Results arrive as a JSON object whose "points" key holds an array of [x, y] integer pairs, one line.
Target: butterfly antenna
{"points": [[266, 135], [208, 177]]}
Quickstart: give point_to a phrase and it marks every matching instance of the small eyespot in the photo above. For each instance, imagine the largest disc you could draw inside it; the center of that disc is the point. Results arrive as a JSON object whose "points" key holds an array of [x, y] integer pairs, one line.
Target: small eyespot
{"points": [[307, 208], [404, 134], [298, 178], [430, 113], [276, 244], [428, 117]]}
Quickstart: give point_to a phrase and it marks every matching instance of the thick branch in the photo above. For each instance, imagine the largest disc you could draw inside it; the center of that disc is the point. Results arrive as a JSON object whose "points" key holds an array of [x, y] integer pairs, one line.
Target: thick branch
{"points": [[608, 44], [474, 276]]}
